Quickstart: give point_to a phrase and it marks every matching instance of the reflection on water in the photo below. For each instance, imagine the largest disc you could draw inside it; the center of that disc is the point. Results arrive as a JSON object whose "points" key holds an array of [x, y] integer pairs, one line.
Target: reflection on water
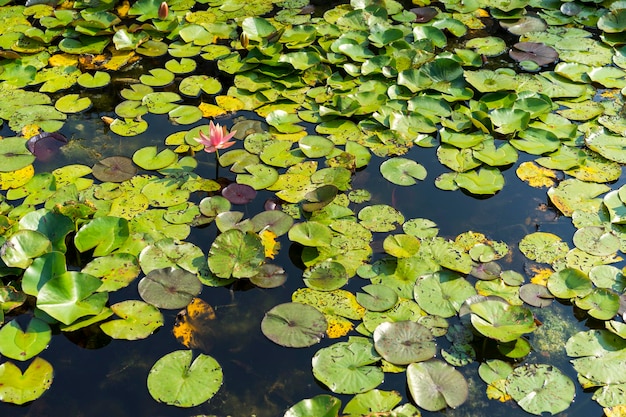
{"points": [[99, 377]]}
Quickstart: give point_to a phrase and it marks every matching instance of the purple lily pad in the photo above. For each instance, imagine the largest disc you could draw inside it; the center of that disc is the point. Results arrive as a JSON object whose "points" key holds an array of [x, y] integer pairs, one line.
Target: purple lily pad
{"points": [[46, 145], [114, 169], [239, 193], [537, 52], [424, 14]]}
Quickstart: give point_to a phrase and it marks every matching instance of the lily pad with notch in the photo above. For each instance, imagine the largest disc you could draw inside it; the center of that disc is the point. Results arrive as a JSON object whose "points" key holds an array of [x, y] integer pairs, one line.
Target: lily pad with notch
{"points": [[536, 52], [377, 297], [435, 385], [322, 405], [269, 276], [294, 325], [539, 389], [175, 380], [15, 154], [20, 388], [169, 288], [114, 169], [536, 295], [239, 193], [22, 344], [402, 171], [138, 320], [325, 276], [404, 342]]}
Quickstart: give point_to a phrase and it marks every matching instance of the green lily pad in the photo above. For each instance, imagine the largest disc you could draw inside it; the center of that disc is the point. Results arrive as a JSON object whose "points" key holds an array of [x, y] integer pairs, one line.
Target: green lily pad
{"points": [[600, 303], [325, 276], [184, 66], [348, 367], [402, 171], [294, 325], [97, 80], [70, 296], [159, 77], [15, 155], [150, 159], [169, 288], [539, 389], [116, 271], [404, 342], [193, 85], [543, 247], [596, 241], [18, 388], [21, 345], [497, 319], [269, 276], [114, 169], [569, 283], [102, 234], [322, 405], [54, 226], [380, 218], [442, 293], [72, 103], [128, 127], [486, 180], [310, 233], [23, 247], [377, 297], [138, 320], [175, 380], [237, 254], [435, 385]]}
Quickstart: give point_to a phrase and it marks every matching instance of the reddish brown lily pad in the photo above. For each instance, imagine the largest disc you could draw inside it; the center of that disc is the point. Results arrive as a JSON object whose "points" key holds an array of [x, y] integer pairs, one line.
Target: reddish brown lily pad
{"points": [[114, 169]]}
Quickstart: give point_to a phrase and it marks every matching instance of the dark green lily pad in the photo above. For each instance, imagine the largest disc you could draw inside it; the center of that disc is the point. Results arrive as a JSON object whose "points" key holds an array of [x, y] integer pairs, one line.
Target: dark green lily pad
{"points": [[18, 388], [326, 276], [404, 342], [269, 276], [536, 295], [348, 367], [435, 385], [294, 325], [175, 380], [540, 389], [19, 344], [169, 288]]}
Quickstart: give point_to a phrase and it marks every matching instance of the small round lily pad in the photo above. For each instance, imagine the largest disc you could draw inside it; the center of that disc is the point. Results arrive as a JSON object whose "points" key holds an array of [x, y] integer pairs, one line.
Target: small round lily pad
{"points": [[294, 325]]}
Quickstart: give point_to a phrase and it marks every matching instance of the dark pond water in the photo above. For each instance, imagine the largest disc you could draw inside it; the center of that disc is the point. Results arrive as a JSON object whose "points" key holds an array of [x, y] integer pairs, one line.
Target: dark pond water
{"points": [[96, 376]]}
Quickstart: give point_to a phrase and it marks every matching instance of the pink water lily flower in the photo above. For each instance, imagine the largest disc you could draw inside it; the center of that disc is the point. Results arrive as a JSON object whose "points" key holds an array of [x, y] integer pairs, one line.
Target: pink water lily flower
{"points": [[217, 139]]}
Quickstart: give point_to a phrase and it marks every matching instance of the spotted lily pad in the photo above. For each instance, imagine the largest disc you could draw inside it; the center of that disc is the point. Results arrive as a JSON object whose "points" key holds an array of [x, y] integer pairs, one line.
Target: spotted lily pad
{"points": [[237, 254], [442, 293], [497, 319], [294, 325], [540, 389], [138, 320], [20, 388], [175, 380]]}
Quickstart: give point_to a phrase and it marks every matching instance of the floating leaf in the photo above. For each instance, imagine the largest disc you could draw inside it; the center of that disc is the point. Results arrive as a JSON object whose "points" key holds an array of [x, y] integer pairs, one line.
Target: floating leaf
{"points": [[169, 288], [533, 51], [377, 297], [348, 367], [402, 171], [21, 345], [497, 319], [442, 293], [435, 385], [404, 342], [237, 254], [14, 154], [138, 320], [539, 389], [294, 325], [322, 405], [18, 388], [175, 380], [114, 169]]}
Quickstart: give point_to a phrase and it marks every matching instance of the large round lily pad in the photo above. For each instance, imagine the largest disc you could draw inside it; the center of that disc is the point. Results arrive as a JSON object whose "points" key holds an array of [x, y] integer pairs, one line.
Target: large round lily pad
{"points": [[169, 288], [435, 385], [176, 380], [404, 342], [539, 389], [294, 325], [14, 154], [497, 319]]}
